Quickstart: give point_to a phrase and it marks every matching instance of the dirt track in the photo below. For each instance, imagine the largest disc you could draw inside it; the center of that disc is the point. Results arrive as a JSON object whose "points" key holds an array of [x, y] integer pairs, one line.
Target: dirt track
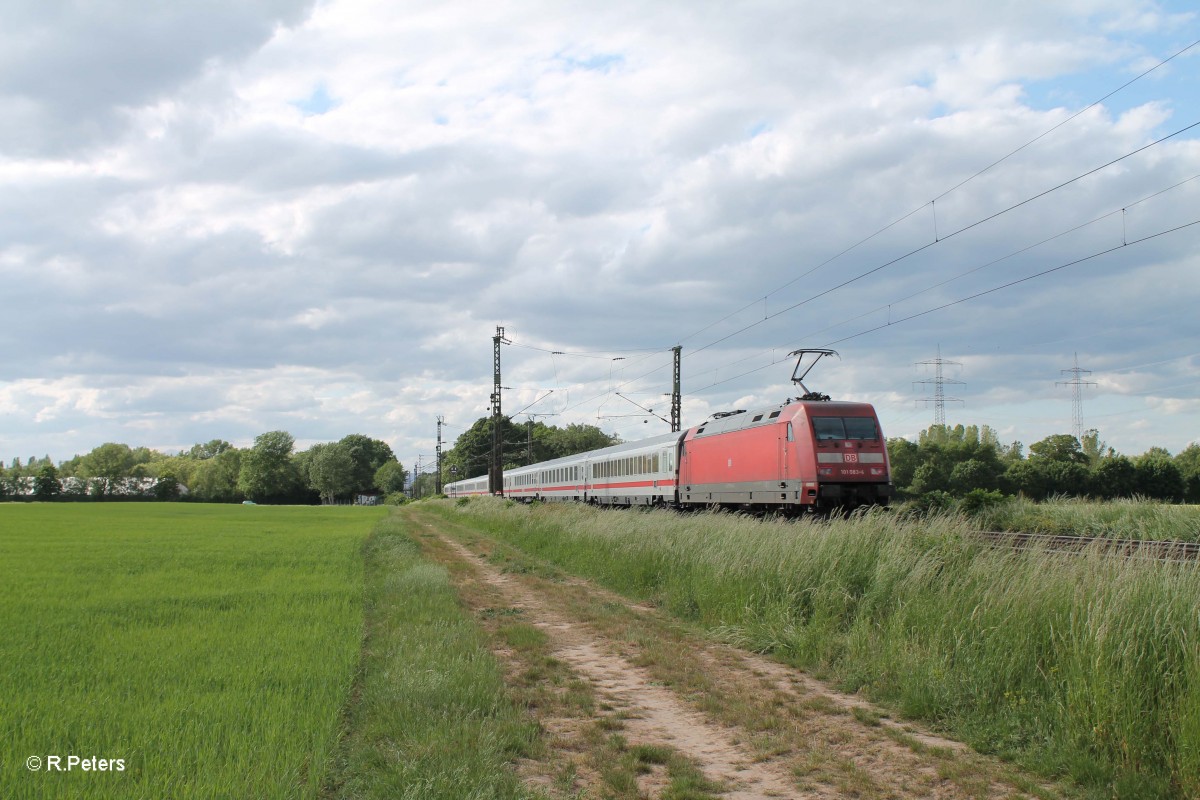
{"points": [[755, 728]]}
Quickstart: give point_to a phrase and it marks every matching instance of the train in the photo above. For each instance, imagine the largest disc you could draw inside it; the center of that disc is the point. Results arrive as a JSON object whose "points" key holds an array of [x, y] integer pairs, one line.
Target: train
{"points": [[798, 456]]}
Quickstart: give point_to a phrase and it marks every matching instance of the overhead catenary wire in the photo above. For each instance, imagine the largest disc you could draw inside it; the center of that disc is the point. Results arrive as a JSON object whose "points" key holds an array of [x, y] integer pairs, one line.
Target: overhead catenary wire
{"points": [[957, 186], [993, 262], [948, 236], [1007, 285], [876, 269]]}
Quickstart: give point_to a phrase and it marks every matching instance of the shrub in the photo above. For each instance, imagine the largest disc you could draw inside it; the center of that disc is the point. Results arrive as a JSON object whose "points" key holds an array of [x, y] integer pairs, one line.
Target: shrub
{"points": [[979, 500]]}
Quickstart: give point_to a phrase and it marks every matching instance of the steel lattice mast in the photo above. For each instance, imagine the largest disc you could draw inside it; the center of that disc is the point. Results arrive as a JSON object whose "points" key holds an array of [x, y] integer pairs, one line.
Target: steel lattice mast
{"points": [[939, 381], [1076, 384]]}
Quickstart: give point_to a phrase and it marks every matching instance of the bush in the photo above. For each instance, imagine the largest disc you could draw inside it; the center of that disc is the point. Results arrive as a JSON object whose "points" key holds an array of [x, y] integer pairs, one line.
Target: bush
{"points": [[977, 501], [934, 502]]}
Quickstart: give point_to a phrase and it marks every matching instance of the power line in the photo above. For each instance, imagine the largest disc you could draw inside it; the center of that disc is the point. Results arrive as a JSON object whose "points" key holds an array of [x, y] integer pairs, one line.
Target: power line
{"points": [[890, 323], [888, 307], [937, 241], [960, 184]]}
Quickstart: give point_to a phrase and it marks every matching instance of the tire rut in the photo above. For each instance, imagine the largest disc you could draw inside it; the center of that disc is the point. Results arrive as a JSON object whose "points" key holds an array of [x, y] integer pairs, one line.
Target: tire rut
{"points": [[652, 713]]}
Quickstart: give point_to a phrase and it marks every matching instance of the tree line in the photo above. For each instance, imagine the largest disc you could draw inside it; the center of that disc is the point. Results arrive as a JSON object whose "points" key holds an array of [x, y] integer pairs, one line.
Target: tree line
{"points": [[962, 460], [269, 471], [523, 443], [945, 462]]}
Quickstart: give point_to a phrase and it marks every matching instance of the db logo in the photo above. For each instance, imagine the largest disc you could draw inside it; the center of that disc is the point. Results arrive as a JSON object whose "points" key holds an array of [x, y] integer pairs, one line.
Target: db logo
{"points": [[851, 458]]}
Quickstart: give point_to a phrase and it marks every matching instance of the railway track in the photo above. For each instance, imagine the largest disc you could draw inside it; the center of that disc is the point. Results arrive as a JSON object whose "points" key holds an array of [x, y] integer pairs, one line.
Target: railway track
{"points": [[1131, 548]]}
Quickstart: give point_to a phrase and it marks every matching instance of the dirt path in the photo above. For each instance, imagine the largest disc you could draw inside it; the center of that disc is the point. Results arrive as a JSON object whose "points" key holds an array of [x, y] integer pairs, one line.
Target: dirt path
{"points": [[652, 713], [754, 728]]}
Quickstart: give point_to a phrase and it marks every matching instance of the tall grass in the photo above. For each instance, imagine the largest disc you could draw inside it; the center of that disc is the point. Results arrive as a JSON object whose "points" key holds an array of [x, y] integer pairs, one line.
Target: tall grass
{"points": [[1117, 519], [1086, 666], [211, 648]]}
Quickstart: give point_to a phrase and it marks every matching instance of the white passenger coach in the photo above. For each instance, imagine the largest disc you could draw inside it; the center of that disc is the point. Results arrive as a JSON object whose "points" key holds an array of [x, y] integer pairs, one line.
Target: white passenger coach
{"points": [[636, 473]]}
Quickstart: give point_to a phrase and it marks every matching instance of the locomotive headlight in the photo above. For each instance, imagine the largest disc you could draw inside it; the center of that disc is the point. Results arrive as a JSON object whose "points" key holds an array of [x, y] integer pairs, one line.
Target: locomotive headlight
{"points": [[825, 471]]}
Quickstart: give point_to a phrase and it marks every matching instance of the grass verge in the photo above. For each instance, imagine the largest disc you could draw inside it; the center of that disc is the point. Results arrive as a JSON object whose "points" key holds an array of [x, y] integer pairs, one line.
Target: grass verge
{"points": [[430, 717], [1114, 519], [1082, 666]]}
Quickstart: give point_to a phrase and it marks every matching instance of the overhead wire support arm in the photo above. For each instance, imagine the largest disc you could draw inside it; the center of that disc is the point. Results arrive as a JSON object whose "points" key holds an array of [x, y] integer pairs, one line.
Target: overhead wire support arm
{"points": [[649, 411]]}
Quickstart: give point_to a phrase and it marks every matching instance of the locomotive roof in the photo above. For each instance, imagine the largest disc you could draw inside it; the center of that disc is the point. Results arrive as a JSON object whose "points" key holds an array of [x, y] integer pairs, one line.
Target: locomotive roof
{"points": [[768, 415]]}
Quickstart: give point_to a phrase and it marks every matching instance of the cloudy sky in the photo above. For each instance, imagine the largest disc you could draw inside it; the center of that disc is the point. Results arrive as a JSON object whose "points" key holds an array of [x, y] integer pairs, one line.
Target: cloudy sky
{"points": [[222, 218]]}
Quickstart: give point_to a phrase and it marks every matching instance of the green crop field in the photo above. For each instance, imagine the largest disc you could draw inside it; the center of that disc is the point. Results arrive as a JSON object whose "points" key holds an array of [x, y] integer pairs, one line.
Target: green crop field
{"points": [[178, 651]]}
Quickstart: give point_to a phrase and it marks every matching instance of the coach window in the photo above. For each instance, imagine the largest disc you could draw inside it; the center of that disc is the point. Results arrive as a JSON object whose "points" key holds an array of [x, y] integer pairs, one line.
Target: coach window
{"points": [[791, 433]]}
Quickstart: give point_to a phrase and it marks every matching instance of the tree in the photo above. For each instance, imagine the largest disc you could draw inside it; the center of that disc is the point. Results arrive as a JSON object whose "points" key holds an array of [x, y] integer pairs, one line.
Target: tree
{"points": [[167, 486], [1039, 478], [216, 479], [472, 451], [391, 478], [974, 474], [330, 469], [575, 438], [210, 449], [1113, 477], [1156, 476], [1061, 447], [108, 465], [45, 484], [929, 477], [367, 455], [905, 457], [1094, 449], [267, 472], [1188, 462]]}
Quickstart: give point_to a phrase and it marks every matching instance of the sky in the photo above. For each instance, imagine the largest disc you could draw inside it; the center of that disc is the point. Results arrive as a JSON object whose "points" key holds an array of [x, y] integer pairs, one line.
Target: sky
{"points": [[224, 218]]}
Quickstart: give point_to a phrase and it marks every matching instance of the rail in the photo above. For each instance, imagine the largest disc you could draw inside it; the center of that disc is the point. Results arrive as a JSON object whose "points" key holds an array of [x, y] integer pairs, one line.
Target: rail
{"points": [[1159, 550]]}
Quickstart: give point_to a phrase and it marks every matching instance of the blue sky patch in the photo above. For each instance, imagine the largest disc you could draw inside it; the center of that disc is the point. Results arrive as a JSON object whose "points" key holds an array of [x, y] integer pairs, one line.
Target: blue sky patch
{"points": [[317, 103], [599, 62]]}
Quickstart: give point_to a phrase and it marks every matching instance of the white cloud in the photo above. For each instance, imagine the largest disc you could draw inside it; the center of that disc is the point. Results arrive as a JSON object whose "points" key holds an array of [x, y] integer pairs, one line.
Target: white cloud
{"points": [[312, 216]]}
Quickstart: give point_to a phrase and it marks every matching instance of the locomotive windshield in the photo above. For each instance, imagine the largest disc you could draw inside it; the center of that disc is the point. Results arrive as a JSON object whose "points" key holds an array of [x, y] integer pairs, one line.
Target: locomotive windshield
{"points": [[844, 428]]}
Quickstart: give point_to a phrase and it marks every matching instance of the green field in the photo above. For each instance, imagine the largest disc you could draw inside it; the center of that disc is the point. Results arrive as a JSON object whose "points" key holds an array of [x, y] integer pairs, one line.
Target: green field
{"points": [[212, 649], [1079, 666]]}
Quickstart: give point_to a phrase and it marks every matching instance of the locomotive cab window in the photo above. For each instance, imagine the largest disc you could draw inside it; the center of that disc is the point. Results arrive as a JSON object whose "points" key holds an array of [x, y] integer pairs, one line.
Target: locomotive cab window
{"points": [[827, 428]]}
